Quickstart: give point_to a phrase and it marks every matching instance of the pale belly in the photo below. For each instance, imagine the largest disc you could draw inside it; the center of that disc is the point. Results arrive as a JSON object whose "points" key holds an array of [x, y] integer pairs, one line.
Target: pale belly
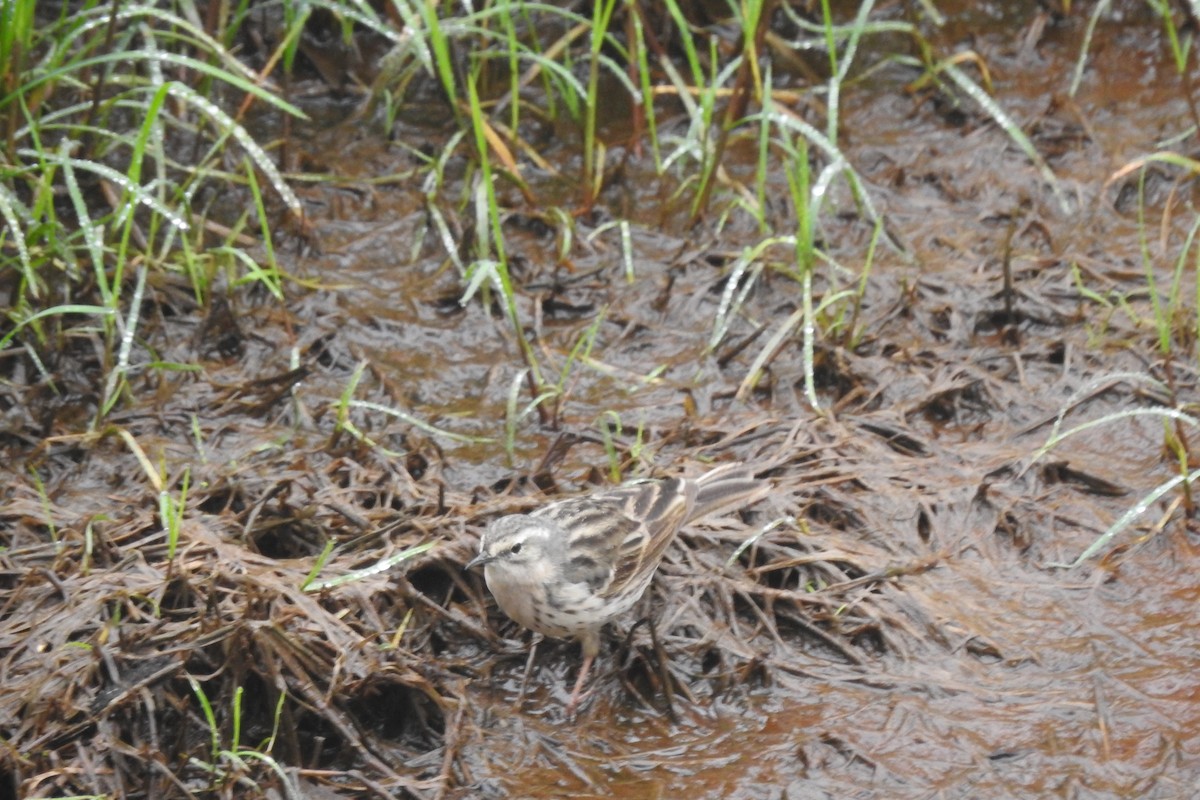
{"points": [[565, 611]]}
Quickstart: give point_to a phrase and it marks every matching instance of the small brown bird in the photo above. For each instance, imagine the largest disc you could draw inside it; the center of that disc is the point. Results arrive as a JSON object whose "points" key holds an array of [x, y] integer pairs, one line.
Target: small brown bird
{"points": [[566, 569]]}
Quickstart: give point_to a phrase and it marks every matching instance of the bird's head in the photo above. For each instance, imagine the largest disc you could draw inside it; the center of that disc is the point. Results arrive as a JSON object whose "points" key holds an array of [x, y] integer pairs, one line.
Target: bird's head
{"points": [[514, 541]]}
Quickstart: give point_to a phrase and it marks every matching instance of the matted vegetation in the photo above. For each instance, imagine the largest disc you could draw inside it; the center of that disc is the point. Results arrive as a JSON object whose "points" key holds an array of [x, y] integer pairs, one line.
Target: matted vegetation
{"points": [[265, 379]]}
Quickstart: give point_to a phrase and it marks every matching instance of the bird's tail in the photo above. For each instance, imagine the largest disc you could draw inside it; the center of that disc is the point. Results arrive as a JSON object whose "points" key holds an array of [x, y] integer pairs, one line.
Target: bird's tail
{"points": [[725, 488]]}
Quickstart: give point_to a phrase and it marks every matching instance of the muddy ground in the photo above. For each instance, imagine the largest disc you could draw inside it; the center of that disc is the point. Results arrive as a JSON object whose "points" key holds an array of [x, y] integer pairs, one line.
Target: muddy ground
{"points": [[902, 631]]}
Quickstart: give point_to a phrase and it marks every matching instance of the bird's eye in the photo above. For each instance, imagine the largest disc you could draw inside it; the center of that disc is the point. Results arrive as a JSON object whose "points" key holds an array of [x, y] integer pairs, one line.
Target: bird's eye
{"points": [[516, 548]]}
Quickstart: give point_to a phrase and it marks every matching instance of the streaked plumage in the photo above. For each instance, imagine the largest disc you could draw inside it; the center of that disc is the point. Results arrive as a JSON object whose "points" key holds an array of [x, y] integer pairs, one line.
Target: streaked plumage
{"points": [[568, 568]]}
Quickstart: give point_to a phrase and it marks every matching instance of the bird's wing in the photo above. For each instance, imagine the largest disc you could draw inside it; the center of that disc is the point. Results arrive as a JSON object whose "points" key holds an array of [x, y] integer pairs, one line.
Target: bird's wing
{"points": [[619, 536], [656, 509]]}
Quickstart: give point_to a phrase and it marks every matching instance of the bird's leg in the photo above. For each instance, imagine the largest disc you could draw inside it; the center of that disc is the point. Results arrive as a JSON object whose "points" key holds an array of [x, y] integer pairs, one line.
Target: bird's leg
{"points": [[591, 648], [576, 692], [533, 645]]}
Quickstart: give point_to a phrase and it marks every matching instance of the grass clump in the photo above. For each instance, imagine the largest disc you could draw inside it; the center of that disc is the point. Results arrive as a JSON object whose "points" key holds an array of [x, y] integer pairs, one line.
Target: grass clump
{"points": [[97, 105]]}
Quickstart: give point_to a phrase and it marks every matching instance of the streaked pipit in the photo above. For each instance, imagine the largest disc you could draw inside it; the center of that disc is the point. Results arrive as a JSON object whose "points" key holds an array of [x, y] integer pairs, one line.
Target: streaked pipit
{"points": [[566, 569]]}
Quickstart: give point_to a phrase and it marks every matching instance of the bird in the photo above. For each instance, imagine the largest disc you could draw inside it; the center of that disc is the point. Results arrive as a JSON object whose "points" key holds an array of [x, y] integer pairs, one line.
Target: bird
{"points": [[566, 569]]}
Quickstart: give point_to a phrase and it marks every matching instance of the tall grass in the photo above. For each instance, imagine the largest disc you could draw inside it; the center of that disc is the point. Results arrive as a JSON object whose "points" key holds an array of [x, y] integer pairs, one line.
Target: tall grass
{"points": [[698, 97], [94, 103], [721, 99]]}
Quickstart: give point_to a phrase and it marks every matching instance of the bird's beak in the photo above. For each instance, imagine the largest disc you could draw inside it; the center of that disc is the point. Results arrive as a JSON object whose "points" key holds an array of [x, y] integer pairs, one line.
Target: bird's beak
{"points": [[482, 558]]}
